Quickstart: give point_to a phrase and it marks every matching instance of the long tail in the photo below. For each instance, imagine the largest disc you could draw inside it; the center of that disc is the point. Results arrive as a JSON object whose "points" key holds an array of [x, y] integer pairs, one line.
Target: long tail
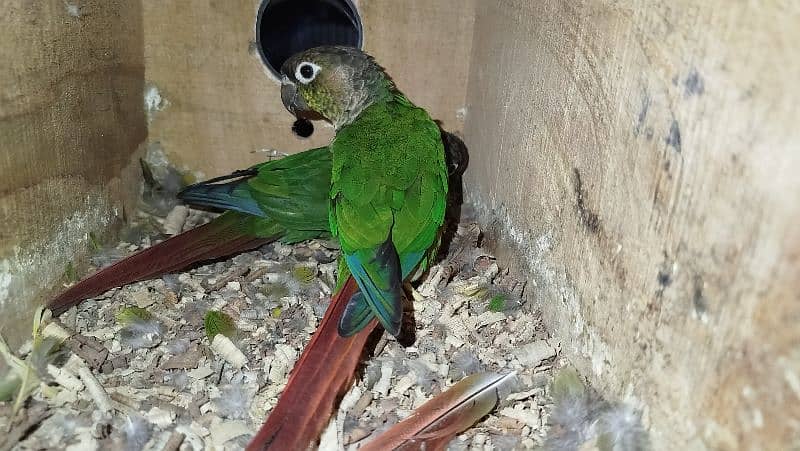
{"points": [[221, 237], [319, 379]]}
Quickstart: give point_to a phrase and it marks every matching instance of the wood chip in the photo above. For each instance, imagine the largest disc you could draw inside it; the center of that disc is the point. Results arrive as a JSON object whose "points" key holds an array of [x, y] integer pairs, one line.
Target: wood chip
{"points": [[175, 441], [183, 361], [32, 417], [95, 390], [201, 372], [87, 348], [222, 431], [532, 354], [222, 281]]}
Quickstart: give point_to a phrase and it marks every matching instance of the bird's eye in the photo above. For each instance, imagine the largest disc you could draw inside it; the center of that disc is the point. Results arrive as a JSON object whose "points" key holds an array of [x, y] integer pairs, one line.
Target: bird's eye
{"points": [[306, 72]]}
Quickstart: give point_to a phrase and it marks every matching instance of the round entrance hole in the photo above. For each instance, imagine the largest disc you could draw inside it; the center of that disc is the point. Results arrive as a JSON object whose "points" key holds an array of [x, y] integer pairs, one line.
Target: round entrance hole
{"points": [[286, 27]]}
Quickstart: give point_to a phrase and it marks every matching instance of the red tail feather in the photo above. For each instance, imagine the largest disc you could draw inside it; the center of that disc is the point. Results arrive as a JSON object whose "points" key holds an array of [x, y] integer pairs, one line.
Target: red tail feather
{"points": [[219, 238], [319, 379]]}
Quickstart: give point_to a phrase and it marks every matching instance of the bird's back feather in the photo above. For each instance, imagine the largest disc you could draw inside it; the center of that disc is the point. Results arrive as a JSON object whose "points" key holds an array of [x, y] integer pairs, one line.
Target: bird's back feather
{"points": [[389, 179]]}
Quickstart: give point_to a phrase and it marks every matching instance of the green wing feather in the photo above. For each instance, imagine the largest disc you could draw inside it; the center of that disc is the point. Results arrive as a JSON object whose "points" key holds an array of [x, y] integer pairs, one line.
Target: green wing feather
{"points": [[290, 193], [389, 179]]}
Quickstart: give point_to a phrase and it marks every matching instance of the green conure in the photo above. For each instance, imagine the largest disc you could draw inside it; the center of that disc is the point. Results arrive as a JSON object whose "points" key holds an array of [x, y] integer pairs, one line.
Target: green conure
{"points": [[389, 179], [284, 200]]}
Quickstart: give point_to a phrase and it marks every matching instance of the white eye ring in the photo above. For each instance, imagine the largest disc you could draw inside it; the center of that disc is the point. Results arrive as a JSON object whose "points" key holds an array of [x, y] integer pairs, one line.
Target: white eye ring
{"points": [[305, 78]]}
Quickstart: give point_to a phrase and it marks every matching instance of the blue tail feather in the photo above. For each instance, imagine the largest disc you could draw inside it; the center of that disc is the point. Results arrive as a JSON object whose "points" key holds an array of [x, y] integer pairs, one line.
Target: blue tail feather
{"points": [[356, 316], [359, 312], [377, 273], [227, 196]]}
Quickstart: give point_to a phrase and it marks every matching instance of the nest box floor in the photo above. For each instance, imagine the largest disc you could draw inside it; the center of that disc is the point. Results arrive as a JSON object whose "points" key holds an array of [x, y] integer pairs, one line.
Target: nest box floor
{"points": [[170, 390]]}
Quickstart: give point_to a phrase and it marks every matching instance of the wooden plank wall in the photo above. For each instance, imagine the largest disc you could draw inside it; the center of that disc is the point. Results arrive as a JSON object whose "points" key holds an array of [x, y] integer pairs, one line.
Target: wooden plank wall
{"points": [[223, 108], [71, 116], [644, 157]]}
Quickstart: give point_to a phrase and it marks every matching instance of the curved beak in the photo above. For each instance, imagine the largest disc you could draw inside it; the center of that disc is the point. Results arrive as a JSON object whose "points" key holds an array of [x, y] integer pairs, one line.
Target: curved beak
{"points": [[290, 98]]}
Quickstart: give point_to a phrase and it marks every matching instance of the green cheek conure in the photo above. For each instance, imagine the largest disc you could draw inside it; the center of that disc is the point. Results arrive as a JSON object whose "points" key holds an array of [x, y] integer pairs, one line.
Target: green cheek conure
{"points": [[388, 186]]}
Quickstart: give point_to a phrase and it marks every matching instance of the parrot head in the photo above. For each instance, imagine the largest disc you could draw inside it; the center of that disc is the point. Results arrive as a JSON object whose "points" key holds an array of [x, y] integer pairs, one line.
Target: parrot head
{"points": [[333, 83]]}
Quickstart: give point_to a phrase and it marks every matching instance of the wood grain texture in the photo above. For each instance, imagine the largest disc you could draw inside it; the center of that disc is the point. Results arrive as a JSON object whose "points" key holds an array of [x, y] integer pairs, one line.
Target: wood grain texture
{"points": [[71, 117], [224, 107], [644, 157]]}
